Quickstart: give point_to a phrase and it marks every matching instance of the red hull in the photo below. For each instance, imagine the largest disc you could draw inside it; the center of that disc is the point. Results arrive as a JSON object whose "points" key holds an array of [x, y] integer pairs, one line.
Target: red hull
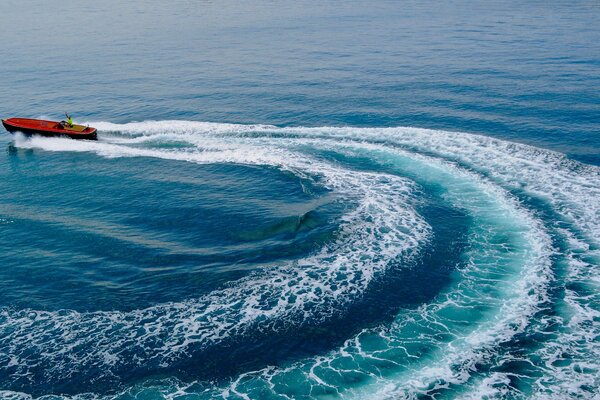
{"points": [[48, 128]]}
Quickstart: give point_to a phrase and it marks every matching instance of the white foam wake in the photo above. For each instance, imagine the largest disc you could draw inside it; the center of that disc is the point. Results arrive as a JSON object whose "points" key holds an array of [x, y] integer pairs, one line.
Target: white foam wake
{"points": [[505, 285]]}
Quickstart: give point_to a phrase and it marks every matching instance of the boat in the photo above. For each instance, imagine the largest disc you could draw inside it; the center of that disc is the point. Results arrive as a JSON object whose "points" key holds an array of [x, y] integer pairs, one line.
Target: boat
{"points": [[42, 127]]}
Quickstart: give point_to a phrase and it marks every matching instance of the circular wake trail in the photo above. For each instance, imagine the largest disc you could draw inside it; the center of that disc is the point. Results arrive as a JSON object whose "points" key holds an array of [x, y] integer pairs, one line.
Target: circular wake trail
{"points": [[521, 318]]}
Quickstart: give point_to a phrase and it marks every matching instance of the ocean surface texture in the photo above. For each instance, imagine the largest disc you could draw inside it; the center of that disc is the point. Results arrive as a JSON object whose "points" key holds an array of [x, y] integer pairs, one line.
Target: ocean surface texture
{"points": [[301, 200]]}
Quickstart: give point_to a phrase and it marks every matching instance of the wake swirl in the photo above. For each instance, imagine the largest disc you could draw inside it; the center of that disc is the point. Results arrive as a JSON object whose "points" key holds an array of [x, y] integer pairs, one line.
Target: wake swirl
{"points": [[531, 273], [382, 227]]}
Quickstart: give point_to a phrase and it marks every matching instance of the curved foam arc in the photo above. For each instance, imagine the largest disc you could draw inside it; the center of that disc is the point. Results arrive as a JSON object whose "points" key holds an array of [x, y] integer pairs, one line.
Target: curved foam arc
{"points": [[383, 225], [390, 349], [516, 286], [579, 373]]}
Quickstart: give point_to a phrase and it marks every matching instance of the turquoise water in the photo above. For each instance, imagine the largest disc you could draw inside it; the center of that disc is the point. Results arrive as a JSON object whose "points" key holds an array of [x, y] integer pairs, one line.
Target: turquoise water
{"points": [[301, 200]]}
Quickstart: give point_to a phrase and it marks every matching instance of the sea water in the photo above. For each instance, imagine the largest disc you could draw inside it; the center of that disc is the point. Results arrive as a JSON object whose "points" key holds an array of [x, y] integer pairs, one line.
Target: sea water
{"points": [[301, 200]]}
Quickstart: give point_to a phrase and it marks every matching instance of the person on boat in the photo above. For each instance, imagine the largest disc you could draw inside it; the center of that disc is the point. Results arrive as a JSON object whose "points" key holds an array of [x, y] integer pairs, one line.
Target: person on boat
{"points": [[69, 120], [68, 123]]}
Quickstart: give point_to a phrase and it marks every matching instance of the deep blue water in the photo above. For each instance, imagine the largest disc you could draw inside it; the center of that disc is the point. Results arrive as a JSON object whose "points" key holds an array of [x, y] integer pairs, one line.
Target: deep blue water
{"points": [[301, 200]]}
